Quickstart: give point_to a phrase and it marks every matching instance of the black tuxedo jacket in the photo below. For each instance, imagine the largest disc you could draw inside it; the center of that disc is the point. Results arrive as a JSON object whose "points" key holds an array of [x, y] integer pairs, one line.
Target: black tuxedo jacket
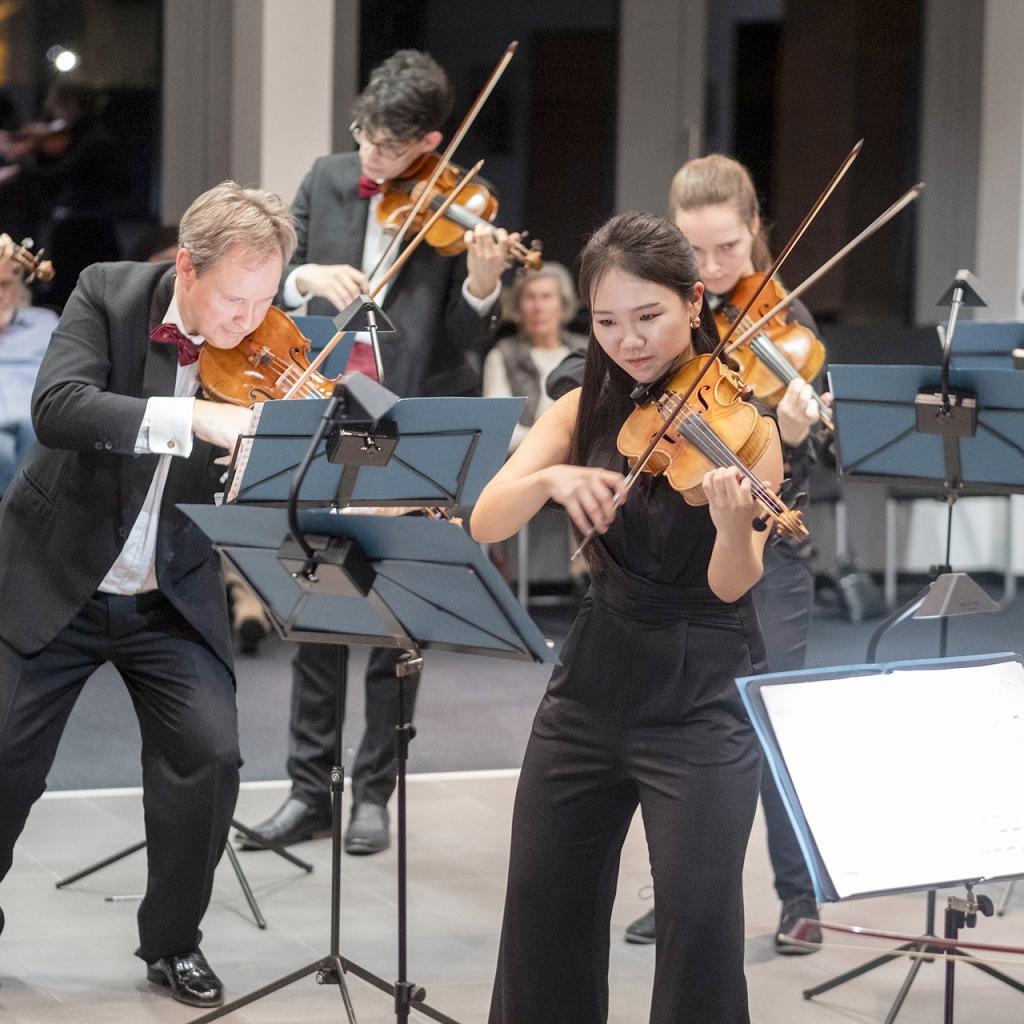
{"points": [[438, 347], [65, 517]]}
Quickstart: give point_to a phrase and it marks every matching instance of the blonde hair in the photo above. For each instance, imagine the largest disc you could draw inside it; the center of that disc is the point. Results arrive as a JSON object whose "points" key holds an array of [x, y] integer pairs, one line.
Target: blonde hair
{"points": [[560, 276], [229, 214], [711, 180]]}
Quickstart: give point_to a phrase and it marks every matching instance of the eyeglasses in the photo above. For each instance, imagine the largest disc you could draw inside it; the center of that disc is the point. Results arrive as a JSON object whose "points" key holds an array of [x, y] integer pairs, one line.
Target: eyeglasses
{"points": [[391, 149]]}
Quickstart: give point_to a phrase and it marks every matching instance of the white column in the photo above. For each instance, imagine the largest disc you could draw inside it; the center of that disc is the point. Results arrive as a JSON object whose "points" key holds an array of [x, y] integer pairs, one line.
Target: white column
{"points": [[296, 91], [1000, 238], [661, 98]]}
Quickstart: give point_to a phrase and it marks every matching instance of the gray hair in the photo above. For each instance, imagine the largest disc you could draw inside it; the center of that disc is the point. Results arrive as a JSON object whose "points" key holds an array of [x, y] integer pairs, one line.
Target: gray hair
{"points": [[561, 277], [229, 214]]}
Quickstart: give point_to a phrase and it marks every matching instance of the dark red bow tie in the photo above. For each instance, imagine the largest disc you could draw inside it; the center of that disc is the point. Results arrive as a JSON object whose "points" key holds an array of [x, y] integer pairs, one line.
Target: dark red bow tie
{"points": [[188, 350], [367, 187]]}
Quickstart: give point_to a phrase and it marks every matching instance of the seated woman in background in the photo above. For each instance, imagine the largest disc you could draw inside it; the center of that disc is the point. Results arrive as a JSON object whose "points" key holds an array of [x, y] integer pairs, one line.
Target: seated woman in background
{"points": [[543, 302]]}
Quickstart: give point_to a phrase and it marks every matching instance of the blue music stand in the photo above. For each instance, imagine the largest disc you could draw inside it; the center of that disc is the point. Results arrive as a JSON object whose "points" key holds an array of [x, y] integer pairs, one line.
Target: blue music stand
{"points": [[987, 345], [844, 812], [320, 330], [407, 582], [445, 451]]}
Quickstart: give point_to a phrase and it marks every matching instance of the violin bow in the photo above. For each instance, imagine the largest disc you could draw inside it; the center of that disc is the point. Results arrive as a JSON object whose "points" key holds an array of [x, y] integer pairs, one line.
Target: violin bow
{"points": [[638, 466], [926, 946], [908, 197], [392, 270], [446, 156]]}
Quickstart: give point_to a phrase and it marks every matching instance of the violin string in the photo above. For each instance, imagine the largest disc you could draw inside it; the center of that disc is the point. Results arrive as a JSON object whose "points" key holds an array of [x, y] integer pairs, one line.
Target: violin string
{"points": [[701, 434], [769, 354], [704, 437]]}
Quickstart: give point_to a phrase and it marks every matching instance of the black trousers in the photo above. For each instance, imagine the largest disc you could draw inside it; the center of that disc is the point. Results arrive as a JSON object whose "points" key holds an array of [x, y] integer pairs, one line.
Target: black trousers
{"points": [[783, 599], [637, 713], [318, 670], [184, 697]]}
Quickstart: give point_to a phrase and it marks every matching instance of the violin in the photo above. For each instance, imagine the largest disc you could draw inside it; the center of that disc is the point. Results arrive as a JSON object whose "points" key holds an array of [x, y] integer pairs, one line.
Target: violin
{"points": [[263, 365], [714, 428], [476, 205], [32, 262], [782, 351]]}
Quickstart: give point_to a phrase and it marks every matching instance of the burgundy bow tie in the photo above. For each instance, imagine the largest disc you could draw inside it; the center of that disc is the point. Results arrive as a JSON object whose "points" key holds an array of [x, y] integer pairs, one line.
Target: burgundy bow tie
{"points": [[188, 350], [367, 187]]}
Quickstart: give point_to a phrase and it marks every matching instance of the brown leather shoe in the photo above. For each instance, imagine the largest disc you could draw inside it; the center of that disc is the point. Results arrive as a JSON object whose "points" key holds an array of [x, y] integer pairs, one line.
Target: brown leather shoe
{"points": [[189, 977]]}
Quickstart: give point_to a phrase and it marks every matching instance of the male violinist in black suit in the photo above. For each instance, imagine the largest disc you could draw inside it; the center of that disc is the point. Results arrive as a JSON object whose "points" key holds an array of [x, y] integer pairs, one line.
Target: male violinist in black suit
{"points": [[441, 306], [98, 565]]}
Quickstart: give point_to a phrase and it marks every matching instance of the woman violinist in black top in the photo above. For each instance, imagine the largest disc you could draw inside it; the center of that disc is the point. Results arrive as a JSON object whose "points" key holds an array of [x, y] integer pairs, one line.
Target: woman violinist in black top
{"points": [[643, 708], [714, 203]]}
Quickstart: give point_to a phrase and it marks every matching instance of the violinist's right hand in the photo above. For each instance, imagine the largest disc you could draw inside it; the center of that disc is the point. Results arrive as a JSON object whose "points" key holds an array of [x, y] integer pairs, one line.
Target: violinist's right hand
{"points": [[219, 423], [587, 493], [338, 283]]}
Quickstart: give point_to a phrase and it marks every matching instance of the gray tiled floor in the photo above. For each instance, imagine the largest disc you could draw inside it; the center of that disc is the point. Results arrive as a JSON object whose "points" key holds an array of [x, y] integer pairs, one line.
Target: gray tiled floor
{"points": [[66, 957]]}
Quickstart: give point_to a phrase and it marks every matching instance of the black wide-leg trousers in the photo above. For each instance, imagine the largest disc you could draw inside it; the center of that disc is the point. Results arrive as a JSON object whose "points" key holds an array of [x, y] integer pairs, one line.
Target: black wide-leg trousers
{"points": [[318, 671], [644, 714], [184, 698]]}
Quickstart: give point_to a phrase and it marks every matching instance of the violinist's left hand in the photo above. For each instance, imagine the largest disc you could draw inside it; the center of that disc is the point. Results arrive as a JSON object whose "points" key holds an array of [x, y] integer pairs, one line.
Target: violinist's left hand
{"points": [[6, 246], [730, 502], [798, 412], [487, 256]]}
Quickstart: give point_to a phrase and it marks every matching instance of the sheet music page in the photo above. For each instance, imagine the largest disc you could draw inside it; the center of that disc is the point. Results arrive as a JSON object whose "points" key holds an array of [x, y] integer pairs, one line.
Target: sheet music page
{"points": [[908, 778], [242, 456]]}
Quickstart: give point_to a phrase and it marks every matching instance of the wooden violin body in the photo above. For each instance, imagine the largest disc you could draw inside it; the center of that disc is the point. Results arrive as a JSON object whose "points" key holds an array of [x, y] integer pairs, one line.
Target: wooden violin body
{"points": [[802, 352], [725, 418], [263, 365], [476, 204], [715, 427]]}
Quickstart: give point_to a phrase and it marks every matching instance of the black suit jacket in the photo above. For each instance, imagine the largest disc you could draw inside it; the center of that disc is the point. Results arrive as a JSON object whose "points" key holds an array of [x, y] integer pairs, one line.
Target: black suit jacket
{"points": [[64, 519], [438, 347]]}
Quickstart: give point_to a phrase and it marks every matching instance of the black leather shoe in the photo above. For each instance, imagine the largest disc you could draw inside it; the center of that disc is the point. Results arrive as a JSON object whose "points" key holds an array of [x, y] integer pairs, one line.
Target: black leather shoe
{"points": [[2, 921], [793, 909], [368, 831], [189, 977], [641, 931], [251, 633], [292, 822]]}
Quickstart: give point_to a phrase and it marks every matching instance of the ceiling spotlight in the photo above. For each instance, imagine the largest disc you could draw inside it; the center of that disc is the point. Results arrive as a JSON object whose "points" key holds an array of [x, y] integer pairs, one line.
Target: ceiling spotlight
{"points": [[66, 60]]}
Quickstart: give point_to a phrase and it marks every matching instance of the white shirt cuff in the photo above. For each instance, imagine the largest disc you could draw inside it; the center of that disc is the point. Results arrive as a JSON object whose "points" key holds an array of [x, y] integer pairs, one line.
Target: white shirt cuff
{"points": [[480, 306], [290, 292], [166, 427]]}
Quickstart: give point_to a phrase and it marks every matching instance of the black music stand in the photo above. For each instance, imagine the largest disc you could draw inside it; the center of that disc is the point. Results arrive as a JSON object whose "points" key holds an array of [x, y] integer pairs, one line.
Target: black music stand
{"points": [[412, 583], [835, 812]]}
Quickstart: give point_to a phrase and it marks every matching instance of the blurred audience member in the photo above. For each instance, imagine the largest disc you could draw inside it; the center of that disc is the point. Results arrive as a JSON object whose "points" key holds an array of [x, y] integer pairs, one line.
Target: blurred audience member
{"points": [[69, 161], [24, 334], [543, 302]]}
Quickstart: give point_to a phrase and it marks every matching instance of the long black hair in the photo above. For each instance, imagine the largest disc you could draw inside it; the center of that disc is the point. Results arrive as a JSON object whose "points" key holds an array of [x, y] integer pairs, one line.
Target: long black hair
{"points": [[653, 249]]}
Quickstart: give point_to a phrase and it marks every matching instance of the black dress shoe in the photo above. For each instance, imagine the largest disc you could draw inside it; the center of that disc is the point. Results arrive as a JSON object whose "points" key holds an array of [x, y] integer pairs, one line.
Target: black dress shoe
{"points": [[793, 909], [251, 633], [641, 931], [1, 920], [189, 977], [292, 822], [368, 831]]}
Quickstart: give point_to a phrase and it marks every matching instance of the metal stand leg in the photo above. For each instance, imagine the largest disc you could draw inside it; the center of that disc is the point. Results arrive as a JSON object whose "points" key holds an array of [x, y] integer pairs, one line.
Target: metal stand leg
{"points": [[1005, 901], [331, 969], [232, 857]]}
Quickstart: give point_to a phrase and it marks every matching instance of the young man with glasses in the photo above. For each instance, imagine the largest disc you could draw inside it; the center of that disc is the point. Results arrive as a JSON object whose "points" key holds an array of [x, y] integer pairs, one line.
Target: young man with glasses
{"points": [[441, 307]]}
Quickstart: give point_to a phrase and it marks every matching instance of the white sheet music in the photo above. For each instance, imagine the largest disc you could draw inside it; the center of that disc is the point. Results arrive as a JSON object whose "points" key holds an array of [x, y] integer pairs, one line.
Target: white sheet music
{"points": [[911, 778]]}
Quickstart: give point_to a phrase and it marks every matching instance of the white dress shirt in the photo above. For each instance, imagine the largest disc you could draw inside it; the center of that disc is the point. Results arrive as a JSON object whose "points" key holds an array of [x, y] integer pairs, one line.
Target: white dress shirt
{"points": [[166, 431]]}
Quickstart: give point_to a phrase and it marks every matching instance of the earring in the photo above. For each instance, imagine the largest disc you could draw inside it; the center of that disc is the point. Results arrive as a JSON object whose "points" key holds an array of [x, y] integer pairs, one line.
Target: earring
{"points": [[694, 323]]}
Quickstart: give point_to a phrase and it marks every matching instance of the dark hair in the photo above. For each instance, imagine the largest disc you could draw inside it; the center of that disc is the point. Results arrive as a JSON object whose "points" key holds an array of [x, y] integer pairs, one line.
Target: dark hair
{"points": [[653, 249], [408, 95]]}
